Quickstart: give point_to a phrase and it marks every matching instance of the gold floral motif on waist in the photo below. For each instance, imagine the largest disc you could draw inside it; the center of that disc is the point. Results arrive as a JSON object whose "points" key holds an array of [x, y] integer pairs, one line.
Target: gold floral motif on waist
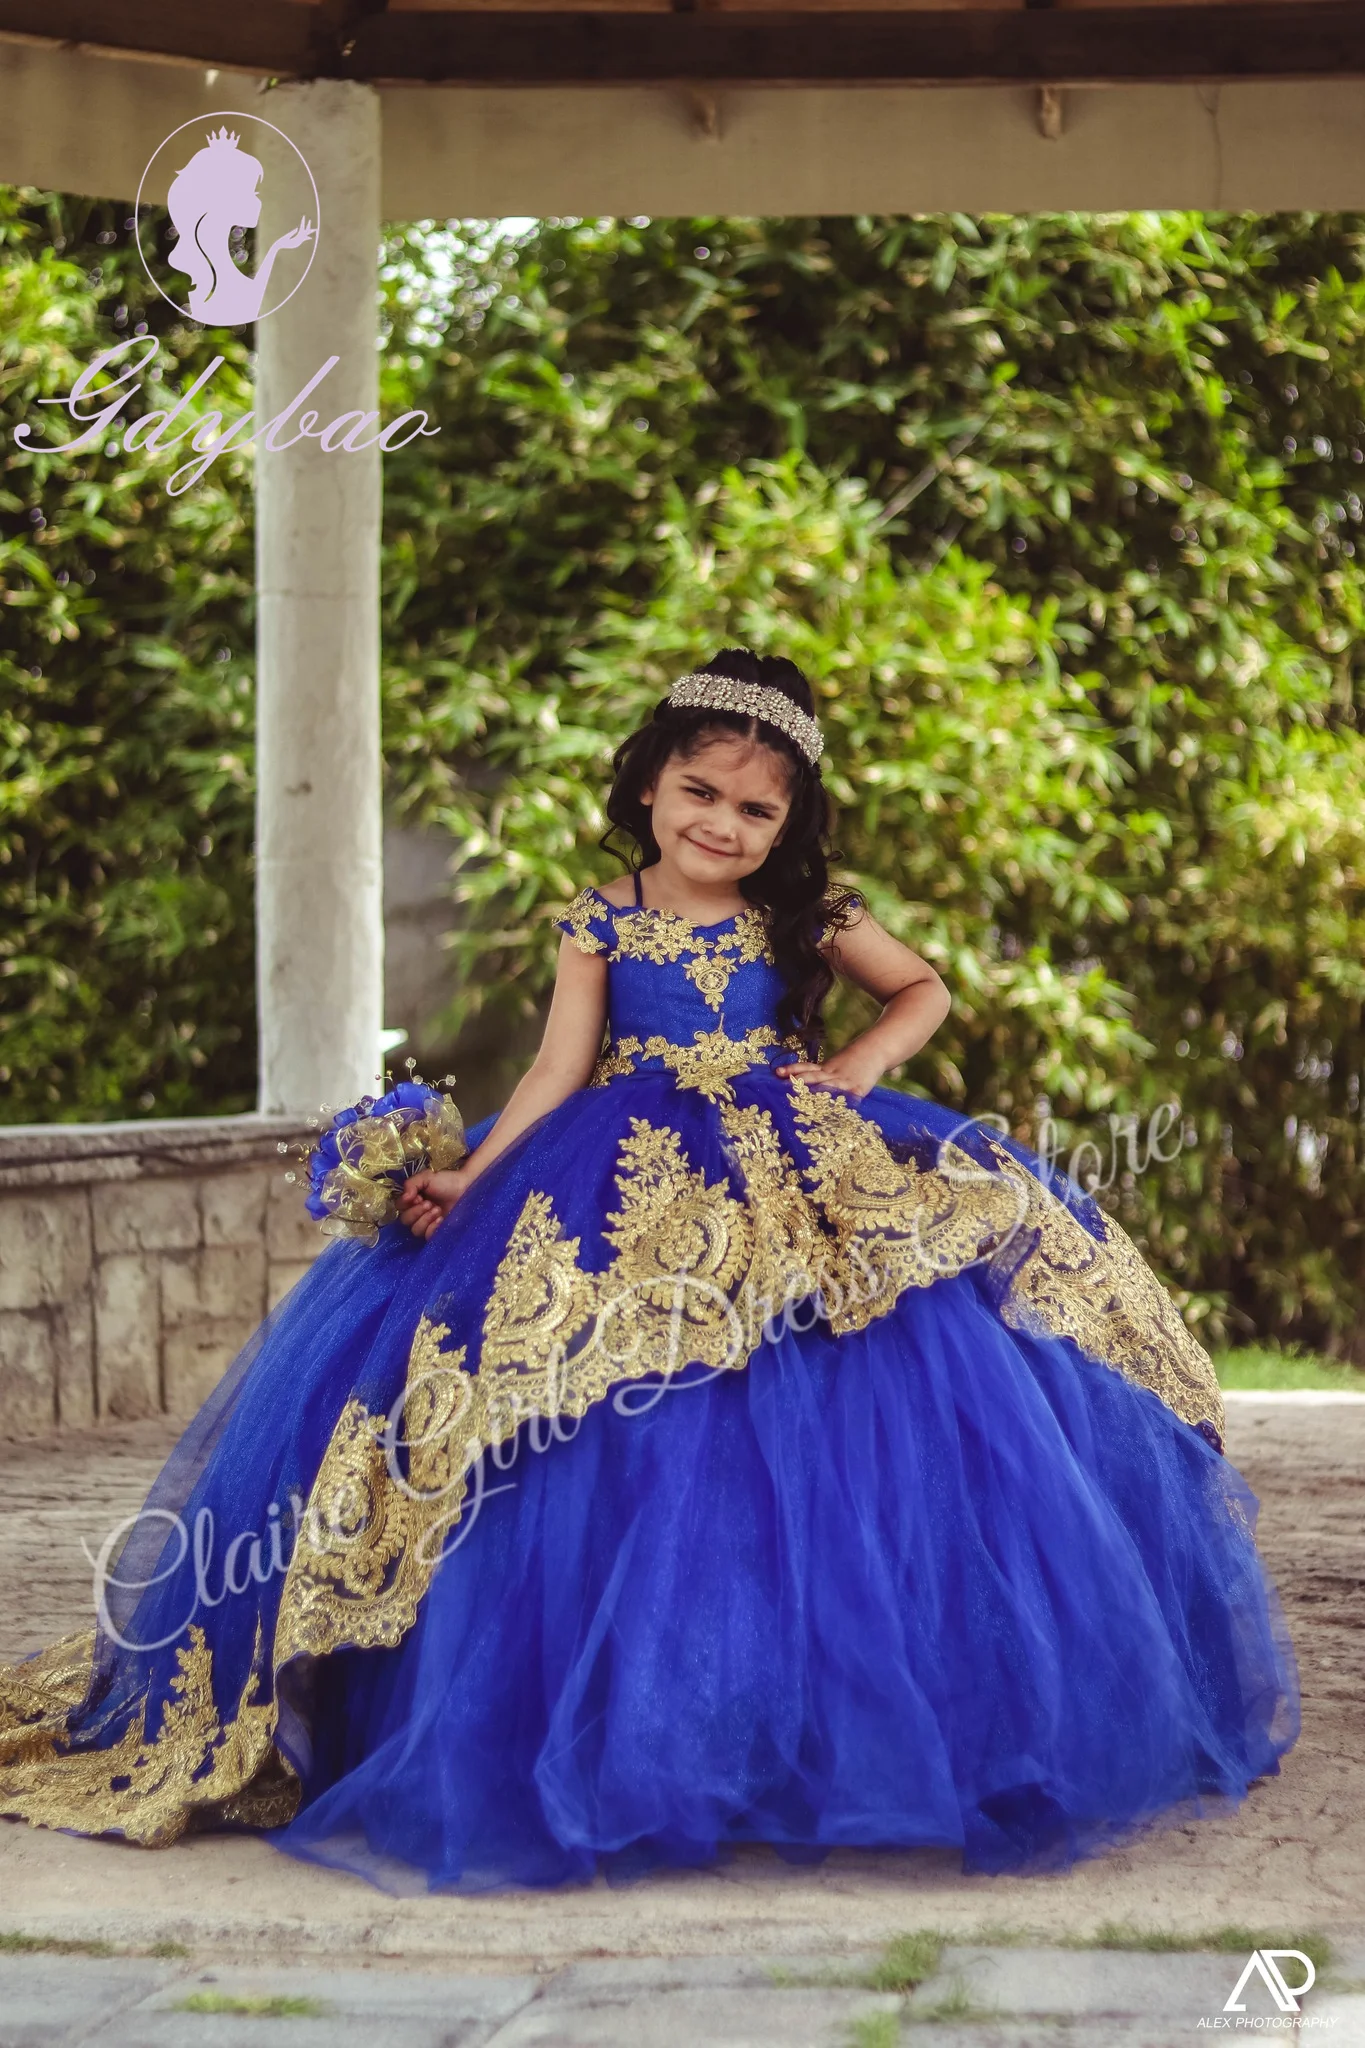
{"points": [[709, 1063]]}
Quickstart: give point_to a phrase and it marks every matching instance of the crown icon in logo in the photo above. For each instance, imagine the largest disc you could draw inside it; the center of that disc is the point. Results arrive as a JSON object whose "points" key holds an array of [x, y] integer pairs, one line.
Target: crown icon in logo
{"points": [[220, 139]]}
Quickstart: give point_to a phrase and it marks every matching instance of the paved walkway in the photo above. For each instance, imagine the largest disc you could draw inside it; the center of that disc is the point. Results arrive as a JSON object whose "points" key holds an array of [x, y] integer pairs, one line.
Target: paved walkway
{"points": [[1288, 1865], [966, 1997]]}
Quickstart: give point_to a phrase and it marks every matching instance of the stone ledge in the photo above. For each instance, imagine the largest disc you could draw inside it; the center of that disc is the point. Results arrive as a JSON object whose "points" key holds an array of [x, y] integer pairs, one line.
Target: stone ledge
{"points": [[63, 1155], [136, 1259]]}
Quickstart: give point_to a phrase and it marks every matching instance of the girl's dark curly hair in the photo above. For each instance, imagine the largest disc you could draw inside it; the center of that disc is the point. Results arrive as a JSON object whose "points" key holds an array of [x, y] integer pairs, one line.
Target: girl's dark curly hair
{"points": [[792, 888]]}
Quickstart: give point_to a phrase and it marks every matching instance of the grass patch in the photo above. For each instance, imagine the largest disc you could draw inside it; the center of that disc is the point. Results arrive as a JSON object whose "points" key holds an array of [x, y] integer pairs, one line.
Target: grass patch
{"points": [[907, 1961], [877, 2030], [1119, 1934], [954, 2008], [911, 1959], [258, 2008], [995, 1934], [56, 1945], [52, 1945], [1264, 1368]]}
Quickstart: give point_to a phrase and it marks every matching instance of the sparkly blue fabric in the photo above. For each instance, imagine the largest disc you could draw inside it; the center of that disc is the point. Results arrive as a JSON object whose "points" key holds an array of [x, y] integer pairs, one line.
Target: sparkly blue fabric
{"points": [[932, 1583]]}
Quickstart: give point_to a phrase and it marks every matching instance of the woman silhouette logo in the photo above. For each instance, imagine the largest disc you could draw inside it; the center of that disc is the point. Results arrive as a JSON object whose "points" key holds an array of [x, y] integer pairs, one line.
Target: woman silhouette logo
{"points": [[213, 201]]}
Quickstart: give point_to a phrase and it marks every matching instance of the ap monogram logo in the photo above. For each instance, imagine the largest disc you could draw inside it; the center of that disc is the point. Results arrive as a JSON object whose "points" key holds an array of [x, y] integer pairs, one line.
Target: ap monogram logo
{"points": [[1265, 1963]]}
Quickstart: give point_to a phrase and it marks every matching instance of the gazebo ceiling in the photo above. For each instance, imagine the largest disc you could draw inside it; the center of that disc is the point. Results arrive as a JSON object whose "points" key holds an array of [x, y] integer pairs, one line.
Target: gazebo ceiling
{"points": [[786, 42]]}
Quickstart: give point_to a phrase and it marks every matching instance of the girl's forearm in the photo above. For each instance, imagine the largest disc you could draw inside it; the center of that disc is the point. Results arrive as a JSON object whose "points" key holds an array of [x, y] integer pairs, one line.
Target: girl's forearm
{"points": [[905, 1026], [535, 1095]]}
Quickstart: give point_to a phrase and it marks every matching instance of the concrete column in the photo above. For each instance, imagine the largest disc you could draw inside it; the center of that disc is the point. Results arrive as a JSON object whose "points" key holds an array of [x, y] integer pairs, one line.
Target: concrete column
{"points": [[319, 899]]}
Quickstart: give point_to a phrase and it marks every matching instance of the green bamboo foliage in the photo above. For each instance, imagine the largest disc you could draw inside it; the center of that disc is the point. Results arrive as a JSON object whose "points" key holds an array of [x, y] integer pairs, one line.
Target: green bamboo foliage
{"points": [[1062, 513], [126, 745]]}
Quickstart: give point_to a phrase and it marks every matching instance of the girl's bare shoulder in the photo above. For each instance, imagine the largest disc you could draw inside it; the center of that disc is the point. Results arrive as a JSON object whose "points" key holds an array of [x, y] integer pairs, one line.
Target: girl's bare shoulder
{"points": [[619, 892]]}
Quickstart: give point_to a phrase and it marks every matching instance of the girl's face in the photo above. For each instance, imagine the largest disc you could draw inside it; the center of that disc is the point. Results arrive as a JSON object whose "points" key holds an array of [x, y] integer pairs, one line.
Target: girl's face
{"points": [[717, 813]]}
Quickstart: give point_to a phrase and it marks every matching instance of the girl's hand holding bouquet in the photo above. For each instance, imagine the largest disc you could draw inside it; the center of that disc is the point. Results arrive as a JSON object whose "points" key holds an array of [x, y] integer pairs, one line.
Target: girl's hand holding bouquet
{"points": [[427, 1199]]}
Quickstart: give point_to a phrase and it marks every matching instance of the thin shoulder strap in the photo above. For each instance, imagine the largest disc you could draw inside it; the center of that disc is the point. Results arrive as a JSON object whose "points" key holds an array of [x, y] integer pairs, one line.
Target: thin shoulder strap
{"points": [[639, 892]]}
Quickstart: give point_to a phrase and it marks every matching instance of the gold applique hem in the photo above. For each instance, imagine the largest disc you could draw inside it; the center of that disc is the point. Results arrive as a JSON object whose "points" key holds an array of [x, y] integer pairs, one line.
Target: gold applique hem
{"points": [[368, 1540], [196, 1770], [1055, 1279]]}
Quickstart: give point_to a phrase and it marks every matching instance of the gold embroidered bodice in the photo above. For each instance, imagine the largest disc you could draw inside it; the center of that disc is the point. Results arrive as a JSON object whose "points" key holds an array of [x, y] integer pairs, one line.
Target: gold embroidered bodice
{"points": [[697, 999]]}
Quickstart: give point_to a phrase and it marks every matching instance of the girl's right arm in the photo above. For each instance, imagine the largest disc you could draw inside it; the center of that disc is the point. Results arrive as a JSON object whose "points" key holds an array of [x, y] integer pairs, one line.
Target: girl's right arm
{"points": [[568, 1053]]}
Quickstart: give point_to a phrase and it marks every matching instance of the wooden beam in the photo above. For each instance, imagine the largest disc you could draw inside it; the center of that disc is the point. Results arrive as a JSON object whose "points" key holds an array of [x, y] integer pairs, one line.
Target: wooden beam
{"points": [[1053, 46], [1129, 44], [288, 37]]}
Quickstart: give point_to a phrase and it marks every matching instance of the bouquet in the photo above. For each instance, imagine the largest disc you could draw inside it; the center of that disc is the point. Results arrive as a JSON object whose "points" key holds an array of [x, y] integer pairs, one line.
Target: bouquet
{"points": [[356, 1166]]}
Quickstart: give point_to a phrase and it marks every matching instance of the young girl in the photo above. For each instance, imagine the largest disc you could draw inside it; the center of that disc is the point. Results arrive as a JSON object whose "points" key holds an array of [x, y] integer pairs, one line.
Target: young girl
{"points": [[729, 1449]]}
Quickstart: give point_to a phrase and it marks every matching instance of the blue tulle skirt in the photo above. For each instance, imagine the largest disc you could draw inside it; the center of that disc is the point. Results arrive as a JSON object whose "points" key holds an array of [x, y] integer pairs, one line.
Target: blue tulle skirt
{"points": [[933, 1584]]}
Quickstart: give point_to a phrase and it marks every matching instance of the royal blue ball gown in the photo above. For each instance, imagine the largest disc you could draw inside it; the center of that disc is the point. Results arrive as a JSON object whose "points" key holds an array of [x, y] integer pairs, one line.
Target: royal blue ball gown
{"points": [[738, 1462]]}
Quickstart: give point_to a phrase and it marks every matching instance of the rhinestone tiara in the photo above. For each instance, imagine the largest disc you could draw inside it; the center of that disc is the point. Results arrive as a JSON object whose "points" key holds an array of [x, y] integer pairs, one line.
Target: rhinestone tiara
{"points": [[699, 691]]}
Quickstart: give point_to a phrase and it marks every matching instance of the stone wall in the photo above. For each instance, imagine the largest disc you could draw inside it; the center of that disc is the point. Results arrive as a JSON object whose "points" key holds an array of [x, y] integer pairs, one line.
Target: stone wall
{"points": [[136, 1259]]}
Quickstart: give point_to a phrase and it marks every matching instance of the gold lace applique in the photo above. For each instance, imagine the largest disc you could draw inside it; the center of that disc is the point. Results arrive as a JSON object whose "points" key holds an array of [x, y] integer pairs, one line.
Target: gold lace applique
{"points": [[665, 937], [540, 1302], [364, 1555], [586, 910], [698, 1268], [617, 1058], [556, 1338], [1106, 1298], [914, 1224], [708, 1064], [37, 1696], [791, 1255], [910, 1225], [668, 939], [145, 1789], [683, 1246]]}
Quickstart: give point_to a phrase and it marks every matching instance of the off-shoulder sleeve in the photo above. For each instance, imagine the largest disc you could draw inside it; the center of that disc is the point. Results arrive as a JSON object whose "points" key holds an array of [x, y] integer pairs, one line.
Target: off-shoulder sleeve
{"points": [[830, 928], [830, 925], [587, 920]]}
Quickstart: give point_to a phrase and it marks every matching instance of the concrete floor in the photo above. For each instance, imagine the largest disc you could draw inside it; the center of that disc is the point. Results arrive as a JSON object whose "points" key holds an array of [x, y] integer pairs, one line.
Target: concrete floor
{"points": [[973, 1997]]}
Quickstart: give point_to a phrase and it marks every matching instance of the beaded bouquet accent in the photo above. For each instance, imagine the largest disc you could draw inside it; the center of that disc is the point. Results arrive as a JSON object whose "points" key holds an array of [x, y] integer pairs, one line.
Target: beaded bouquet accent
{"points": [[356, 1166]]}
